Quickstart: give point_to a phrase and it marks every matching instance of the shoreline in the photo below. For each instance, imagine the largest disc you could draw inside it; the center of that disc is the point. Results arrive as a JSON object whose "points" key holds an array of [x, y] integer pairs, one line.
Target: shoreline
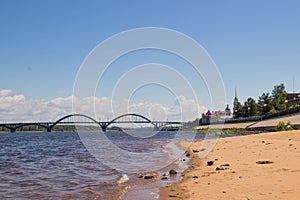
{"points": [[150, 189], [258, 166]]}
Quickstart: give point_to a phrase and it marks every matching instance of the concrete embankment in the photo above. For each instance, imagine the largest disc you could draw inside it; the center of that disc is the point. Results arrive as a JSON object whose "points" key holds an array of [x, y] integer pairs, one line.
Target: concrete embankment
{"points": [[265, 125]]}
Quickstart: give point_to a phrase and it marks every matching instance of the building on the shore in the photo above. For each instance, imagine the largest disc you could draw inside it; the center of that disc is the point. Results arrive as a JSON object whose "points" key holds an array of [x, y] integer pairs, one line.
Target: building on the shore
{"points": [[215, 116], [292, 99]]}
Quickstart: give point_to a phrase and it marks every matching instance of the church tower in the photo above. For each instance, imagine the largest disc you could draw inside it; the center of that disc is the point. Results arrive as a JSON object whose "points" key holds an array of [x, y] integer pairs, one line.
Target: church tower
{"points": [[235, 102]]}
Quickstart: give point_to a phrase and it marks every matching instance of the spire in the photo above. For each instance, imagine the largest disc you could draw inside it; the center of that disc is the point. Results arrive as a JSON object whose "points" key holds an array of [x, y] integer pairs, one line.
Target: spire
{"points": [[235, 94], [235, 103]]}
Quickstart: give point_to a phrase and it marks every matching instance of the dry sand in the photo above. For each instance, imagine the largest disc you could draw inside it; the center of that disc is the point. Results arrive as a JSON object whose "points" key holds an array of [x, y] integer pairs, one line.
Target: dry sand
{"points": [[244, 178]]}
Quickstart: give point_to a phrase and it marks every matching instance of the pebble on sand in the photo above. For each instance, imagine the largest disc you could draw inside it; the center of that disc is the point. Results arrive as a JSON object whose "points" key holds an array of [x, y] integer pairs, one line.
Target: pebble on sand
{"points": [[148, 177], [262, 162], [210, 163]]}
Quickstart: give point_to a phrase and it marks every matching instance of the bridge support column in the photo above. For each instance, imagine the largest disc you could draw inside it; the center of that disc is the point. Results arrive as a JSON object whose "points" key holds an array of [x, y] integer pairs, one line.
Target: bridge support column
{"points": [[104, 128], [48, 129], [156, 126]]}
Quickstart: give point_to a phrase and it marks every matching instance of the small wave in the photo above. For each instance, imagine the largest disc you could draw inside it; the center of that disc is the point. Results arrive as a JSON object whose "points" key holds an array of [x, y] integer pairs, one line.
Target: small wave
{"points": [[124, 178], [4, 185]]}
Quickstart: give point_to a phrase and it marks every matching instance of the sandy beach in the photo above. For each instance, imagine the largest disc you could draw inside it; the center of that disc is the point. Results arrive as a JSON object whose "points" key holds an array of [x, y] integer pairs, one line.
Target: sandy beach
{"points": [[261, 166]]}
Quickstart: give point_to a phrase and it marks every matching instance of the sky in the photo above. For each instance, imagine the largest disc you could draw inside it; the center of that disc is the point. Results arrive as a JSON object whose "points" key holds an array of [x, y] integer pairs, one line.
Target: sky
{"points": [[254, 44]]}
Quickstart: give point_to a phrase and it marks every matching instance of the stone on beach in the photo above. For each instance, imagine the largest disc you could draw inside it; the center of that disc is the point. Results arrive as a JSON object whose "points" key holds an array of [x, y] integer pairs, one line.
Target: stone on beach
{"points": [[225, 165], [210, 163], [195, 151], [172, 172], [148, 177], [220, 168], [262, 162]]}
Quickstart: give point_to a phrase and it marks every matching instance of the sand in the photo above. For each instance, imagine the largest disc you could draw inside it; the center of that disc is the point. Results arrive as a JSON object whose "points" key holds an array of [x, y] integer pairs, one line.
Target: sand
{"points": [[244, 178]]}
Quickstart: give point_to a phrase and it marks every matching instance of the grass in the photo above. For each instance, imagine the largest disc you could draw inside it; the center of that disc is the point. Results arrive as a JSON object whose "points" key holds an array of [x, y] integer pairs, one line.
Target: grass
{"points": [[220, 131]]}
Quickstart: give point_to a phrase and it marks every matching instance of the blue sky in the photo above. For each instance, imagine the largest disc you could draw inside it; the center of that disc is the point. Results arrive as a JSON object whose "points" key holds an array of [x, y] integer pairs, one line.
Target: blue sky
{"points": [[255, 44]]}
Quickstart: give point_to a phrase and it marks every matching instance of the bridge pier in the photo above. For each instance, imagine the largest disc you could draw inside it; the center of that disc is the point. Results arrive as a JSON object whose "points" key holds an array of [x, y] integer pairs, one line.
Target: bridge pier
{"points": [[103, 126]]}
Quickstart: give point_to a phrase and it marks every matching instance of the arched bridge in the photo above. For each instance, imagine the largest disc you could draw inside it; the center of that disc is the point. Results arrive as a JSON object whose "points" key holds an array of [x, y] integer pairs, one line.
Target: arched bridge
{"points": [[126, 119]]}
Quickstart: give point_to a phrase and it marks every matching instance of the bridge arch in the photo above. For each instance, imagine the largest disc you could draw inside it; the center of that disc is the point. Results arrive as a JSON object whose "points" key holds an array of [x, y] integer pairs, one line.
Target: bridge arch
{"points": [[6, 127], [14, 128], [74, 115], [130, 114]]}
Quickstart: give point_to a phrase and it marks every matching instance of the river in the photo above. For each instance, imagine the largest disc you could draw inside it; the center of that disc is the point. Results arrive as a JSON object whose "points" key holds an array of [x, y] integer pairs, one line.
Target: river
{"points": [[57, 165]]}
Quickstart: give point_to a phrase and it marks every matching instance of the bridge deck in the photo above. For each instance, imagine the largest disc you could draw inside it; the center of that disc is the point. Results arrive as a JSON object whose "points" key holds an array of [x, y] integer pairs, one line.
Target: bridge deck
{"points": [[122, 119]]}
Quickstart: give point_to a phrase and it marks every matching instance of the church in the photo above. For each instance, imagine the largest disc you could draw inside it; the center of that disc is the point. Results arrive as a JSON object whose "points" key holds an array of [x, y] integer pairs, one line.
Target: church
{"points": [[235, 102], [215, 116]]}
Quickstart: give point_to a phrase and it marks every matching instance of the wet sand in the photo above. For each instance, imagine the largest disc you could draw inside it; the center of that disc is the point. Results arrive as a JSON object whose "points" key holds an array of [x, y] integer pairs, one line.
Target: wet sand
{"points": [[262, 166], [149, 189]]}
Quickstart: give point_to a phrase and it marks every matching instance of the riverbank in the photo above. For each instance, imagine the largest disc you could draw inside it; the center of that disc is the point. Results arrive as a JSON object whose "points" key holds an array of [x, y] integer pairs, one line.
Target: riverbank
{"points": [[260, 166]]}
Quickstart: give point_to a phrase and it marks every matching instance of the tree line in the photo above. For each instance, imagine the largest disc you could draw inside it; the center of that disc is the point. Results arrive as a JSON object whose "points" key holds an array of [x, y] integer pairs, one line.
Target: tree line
{"points": [[266, 104]]}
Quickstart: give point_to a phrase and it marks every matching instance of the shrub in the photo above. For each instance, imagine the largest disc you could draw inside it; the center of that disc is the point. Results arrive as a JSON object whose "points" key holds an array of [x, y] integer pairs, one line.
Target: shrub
{"points": [[272, 111], [280, 126], [289, 126]]}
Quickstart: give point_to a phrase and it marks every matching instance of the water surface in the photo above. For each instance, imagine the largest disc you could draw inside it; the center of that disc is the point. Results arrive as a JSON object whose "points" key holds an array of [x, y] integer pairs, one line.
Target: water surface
{"points": [[38, 165]]}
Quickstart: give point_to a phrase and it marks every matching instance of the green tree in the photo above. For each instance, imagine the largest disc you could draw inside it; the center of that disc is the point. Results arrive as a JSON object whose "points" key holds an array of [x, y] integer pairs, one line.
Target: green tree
{"points": [[278, 98], [250, 107], [264, 103], [239, 111]]}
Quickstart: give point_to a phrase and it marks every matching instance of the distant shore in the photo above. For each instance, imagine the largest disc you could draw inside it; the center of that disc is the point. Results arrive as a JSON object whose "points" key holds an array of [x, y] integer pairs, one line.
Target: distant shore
{"points": [[259, 166]]}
